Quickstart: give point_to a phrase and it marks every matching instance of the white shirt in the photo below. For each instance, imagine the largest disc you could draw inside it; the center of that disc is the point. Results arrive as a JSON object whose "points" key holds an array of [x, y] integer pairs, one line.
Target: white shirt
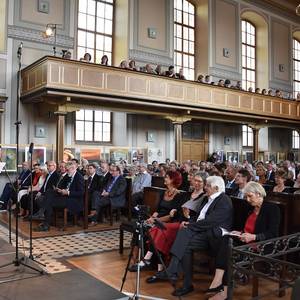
{"points": [[207, 205]]}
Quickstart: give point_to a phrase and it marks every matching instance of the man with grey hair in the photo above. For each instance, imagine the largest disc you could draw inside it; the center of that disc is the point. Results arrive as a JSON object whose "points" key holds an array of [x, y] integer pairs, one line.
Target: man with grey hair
{"points": [[215, 213], [141, 180]]}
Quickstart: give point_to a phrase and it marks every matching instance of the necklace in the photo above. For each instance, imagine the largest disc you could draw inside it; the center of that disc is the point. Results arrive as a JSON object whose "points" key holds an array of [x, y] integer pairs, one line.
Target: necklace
{"points": [[171, 193]]}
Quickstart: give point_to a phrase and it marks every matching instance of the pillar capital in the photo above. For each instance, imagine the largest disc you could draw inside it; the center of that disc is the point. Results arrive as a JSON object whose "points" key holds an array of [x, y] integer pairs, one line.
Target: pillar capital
{"points": [[179, 119]]}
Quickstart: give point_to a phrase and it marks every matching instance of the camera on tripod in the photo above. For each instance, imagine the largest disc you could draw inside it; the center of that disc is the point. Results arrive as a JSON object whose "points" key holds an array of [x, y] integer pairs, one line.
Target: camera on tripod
{"points": [[142, 212]]}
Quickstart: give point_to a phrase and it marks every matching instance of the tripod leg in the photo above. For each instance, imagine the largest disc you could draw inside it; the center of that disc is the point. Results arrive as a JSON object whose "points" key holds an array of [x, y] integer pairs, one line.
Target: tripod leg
{"points": [[127, 266]]}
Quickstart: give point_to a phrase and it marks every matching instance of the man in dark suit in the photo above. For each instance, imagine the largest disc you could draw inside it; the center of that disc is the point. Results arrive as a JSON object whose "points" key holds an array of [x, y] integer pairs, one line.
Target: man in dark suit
{"points": [[9, 190], [113, 193], [70, 196], [230, 184], [93, 182], [270, 174], [215, 215]]}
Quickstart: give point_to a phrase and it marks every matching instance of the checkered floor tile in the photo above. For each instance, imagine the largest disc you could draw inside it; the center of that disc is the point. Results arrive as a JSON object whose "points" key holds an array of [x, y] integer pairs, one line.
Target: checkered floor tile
{"points": [[52, 250]]}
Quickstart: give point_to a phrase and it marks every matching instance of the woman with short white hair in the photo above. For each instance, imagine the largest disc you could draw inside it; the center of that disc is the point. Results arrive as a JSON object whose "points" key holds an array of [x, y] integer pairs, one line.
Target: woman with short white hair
{"points": [[261, 224]]}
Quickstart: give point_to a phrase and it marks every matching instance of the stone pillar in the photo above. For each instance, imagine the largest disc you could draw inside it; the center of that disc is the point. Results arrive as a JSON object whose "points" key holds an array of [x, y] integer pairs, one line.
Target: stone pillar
{"points": [[255, 142], [60, 135], [178, 138]]}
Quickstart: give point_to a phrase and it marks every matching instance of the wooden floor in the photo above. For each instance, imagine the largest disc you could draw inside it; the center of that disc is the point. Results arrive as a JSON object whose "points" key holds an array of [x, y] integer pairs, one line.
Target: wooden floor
{"points": [[109, 267], [54, 231]]}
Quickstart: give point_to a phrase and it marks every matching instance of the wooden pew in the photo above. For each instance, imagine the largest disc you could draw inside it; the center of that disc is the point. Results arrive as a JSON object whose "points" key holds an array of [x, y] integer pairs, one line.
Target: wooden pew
{"points": [[158, 181]]}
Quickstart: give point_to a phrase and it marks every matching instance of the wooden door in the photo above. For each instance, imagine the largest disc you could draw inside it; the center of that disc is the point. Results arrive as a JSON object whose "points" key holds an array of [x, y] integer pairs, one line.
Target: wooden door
{"points": [[193, 150]]}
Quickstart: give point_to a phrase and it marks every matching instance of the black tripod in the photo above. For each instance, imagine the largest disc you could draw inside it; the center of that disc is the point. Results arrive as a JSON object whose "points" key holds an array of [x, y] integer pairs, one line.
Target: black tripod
{"points": [[140, 229], [19, 261]]}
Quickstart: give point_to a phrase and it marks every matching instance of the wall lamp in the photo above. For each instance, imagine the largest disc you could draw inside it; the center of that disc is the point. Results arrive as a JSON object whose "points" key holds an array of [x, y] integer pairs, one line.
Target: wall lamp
{"points": [[51, 32]]}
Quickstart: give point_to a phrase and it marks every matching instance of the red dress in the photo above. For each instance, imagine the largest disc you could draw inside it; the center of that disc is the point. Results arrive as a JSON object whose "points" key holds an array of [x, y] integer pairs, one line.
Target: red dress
{"points": [[250, 223], [164, 239]]}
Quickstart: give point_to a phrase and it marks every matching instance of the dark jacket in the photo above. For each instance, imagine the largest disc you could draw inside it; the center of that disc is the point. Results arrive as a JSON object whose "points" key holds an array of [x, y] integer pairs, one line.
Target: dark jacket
{"points": [[95, 184], [267, 222], [218, 215], [49, 183], [117, 195], [75, 198]]}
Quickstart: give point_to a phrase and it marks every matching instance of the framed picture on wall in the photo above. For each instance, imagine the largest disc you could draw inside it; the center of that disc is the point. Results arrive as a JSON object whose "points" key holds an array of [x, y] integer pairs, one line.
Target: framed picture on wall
{"points": [[232, 156], [8, 155], [92, 155], [220, 155], [38, 155]]}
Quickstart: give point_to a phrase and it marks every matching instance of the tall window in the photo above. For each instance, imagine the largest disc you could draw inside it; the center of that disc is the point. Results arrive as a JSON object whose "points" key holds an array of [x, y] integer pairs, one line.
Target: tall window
{"points": [[93, 126], [248, 55], [95, 29], [184, 38], [247, 136], [295, 140], [296, 67]]}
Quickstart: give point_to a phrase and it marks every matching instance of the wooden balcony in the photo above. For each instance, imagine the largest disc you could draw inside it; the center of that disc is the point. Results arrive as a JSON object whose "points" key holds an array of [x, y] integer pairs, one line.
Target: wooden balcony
{"points": [[70, 82]]}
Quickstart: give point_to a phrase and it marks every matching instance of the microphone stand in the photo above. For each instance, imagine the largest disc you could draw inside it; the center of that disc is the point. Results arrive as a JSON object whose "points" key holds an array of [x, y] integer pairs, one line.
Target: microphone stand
{"points": [[19, 261]]}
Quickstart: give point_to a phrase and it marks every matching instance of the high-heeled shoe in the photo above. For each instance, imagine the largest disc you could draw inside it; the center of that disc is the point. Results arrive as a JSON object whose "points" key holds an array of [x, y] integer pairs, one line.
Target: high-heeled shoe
{"points": [[215, 290], [134, 268]]}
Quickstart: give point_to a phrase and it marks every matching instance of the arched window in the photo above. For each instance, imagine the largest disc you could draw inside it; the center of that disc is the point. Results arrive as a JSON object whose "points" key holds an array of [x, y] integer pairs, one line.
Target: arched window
{"points": [[247, 136], [248, 55], [295, 140], [296, 67], [95, 28], [184, 38]]}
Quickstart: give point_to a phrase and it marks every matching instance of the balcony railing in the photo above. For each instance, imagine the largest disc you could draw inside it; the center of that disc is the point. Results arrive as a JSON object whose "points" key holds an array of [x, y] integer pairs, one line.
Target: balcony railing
{"points": [[52, 76]]}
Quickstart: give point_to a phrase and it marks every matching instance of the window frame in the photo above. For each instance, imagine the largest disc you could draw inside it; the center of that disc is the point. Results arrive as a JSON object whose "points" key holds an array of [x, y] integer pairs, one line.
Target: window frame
{"points": [[255, 53], [93, 142], [295, 92], [177, 67], [97, 33], [295, 137], [248, 131]]}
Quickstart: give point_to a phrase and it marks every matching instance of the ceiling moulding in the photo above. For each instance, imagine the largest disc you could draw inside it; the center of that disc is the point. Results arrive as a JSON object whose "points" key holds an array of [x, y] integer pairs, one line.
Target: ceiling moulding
{"points": [[276, 8], [34, 35]]}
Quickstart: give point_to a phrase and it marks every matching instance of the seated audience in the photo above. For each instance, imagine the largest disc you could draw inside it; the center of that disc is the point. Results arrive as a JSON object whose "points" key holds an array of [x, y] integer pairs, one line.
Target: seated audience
{"points": [[104, 60], [131, 65], [215, 213], [270, 173], [87, 57], [180, 75], [113, 194], [207, 79], [227, 83], [242, 177], [262, 224], [141, 180], [163, 238], [9, 190], [297, 182], [201, 78], [171, 199], [270, 92], [280, 177], [149, 69], [123, 64], [93, 183], [185, 169], [261, 173], [264, 92], [158, 70], [278, 93], [250, 89], [257, 90], [170, 72], [230, 184], [67, 55], [239, 85], [221, 82], [69, 196]]}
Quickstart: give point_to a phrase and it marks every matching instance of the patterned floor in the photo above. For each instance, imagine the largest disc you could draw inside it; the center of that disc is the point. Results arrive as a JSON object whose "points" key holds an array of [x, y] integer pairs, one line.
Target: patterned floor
{"points": [[52, 251]]}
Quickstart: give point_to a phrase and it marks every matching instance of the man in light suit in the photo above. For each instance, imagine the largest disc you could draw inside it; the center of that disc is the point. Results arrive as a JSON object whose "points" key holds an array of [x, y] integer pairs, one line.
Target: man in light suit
{"points": [[141, 180], [215, 215]]}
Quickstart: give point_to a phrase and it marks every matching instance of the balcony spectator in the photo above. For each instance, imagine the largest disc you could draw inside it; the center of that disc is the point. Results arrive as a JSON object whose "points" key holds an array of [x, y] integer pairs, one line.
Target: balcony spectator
{"points": [[149, 69], [298, 96], [123, 64], [278, 93], [201, 78], [158, 70], [238, 85], [250, 90], [170, 72], [270, 92], [67, 55], [221, 83], [257, 90], [86, 57], [131, 65], [227, 83], [264, 92], [180, 75], [207, 79], [104, 60]]}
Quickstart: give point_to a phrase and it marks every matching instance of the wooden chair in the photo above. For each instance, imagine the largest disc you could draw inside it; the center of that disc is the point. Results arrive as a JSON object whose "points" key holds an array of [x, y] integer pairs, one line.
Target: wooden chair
{"points": [[158, 181]]}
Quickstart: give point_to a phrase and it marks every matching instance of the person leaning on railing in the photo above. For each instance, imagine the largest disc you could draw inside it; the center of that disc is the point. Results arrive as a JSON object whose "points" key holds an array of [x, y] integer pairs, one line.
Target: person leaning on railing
{"points": [[262, 224]]}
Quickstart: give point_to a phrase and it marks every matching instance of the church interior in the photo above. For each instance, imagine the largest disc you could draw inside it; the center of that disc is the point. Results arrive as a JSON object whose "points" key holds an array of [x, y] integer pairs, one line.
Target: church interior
{"points": [[149, 149]]}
